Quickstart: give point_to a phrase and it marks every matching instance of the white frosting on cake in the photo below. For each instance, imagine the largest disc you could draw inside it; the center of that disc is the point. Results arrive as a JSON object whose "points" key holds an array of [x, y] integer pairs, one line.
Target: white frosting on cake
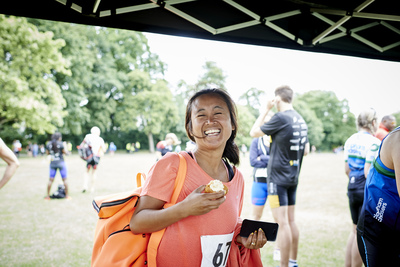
{"points": [[216, 185]]}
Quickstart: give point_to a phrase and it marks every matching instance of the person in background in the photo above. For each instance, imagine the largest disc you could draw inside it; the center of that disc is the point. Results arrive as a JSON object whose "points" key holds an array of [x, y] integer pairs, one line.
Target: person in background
{"points": [[165, 146], [42, 150], [35, 150], [128, 147], [243, 149], [29, 149], [56, 150], [69, 147], [133, 149], [378, 228], [112, 148], [190, 145], [12, 163], [360, 151], [96, 143], [388, 123], [259, 157], [288, 132], [202, 227], [16, 147], [137, 146]]}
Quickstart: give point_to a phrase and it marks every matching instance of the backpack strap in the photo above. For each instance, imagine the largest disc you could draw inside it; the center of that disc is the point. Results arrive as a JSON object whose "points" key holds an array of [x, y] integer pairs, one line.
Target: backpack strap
{"points": [[139, 179], [156, 237]]}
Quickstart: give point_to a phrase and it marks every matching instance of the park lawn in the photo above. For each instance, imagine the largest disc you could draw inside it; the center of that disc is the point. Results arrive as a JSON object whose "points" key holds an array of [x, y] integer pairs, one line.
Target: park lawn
{"points": [[36, 232]]}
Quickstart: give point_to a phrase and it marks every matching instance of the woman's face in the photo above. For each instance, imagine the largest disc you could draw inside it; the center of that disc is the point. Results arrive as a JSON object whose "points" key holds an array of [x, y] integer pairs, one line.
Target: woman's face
{"points": [[211, 122]]}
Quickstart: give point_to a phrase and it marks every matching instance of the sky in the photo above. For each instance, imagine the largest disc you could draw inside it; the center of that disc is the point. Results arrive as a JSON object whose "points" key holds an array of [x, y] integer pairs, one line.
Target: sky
{"points": [[363, 82]]}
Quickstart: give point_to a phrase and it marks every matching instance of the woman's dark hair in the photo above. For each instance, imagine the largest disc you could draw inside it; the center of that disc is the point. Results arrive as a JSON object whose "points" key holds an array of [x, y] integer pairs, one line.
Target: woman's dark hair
{"points": [[54, 138], [231, 151]]}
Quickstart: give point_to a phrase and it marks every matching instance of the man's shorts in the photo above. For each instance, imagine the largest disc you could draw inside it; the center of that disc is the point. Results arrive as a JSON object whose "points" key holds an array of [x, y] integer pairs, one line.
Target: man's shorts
{"points": [[259, 193], [93, 162], [280, 195], [356, 199]]}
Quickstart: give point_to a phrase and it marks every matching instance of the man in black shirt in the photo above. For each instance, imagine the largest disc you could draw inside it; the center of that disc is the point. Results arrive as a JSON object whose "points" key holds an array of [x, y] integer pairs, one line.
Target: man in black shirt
{"points": [[288, 132]]}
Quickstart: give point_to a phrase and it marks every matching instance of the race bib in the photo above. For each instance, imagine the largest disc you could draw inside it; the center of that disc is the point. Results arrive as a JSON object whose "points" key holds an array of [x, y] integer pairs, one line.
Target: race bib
{"points": [[215, 250]]}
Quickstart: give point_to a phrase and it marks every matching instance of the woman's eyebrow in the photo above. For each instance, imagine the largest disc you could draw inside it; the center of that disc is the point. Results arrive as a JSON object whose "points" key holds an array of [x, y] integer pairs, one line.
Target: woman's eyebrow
{"points": [[203, 109]]}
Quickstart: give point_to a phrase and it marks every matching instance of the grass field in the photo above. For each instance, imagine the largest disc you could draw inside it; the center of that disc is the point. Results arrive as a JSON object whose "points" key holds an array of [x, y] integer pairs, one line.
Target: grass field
{"points": [[36, 232]]}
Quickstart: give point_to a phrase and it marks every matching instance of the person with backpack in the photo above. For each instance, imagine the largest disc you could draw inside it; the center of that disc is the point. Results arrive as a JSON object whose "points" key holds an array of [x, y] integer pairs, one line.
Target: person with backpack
{"points": [[360, 151], [201, 229], [56, 149], [97, 147]]}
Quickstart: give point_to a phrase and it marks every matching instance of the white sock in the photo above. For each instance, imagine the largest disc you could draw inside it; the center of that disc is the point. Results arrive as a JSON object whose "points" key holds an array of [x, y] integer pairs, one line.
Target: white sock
{"points": [[292, 263]]}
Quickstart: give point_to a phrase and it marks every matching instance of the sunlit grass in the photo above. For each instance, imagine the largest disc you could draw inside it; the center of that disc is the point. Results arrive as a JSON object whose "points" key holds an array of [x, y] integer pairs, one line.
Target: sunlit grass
{"points": [[35, 232]]}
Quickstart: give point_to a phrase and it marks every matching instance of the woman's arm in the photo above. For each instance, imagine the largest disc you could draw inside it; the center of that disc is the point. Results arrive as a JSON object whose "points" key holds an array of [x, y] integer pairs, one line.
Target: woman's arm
{"points": [[150, 216], [253, 153], [395, 155], [367, 166], [12, 163], [347, 168], [390, 155]]}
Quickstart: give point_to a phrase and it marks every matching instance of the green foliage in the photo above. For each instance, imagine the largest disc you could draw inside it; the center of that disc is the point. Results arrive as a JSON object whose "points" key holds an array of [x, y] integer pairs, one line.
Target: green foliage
{"points": [[315, 127], [213, 77], [110, 69], [337, 121], [30, 96], [246, 119], [251, 98], [68, 77], [397, 116]]}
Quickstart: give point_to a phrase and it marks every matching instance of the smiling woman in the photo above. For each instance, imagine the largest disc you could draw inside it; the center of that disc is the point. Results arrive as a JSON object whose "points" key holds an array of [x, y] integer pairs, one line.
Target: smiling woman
{"points": [[193, 225], [212, 113]]}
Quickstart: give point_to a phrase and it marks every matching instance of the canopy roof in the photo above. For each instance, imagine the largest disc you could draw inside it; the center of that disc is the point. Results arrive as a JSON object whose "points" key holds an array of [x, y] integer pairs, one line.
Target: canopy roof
{"points": [[369, 29]]}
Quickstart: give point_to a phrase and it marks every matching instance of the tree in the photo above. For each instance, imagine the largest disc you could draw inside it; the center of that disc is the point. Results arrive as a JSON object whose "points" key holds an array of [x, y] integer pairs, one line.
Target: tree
{"points": [[315, 127], [337, 120], [251, 98], [213, 77], [101, 61], [246, 119], [30, 96], [148, 107], [397, 116]]}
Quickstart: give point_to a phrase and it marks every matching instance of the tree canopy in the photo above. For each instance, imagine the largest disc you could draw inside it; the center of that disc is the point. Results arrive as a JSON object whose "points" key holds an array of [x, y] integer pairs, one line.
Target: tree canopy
{"points": [[65, 77], [30, 96]]}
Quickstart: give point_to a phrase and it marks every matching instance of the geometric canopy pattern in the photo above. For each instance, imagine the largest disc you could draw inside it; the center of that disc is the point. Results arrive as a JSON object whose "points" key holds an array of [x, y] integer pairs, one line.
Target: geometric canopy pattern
{"points": [[369, 29]]}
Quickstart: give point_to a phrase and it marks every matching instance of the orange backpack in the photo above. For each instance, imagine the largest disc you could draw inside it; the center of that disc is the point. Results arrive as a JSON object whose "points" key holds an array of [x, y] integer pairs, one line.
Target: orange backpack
{"points": [[114, 243]]}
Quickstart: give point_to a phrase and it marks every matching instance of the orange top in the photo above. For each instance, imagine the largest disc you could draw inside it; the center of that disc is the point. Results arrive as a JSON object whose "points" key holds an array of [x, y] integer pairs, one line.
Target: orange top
{"points": [[182, 241], [381, 132]]}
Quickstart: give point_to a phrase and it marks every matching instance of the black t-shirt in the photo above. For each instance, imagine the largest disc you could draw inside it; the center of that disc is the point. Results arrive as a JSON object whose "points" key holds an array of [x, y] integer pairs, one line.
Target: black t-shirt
{"points": [[288, 132], [56, 154]]}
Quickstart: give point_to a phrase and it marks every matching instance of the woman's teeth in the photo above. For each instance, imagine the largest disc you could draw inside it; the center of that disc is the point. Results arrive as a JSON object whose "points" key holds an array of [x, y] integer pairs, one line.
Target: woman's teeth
{"points": [[209, 132]]}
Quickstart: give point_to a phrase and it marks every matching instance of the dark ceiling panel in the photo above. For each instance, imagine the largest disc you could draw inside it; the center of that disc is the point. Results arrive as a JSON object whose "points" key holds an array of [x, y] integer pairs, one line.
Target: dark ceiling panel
{"points": [[373, 32]]}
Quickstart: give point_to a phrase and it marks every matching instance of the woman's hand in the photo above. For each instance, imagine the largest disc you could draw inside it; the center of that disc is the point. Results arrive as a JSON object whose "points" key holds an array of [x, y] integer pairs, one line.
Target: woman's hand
{"points": [[255, 240], [199, 203]]}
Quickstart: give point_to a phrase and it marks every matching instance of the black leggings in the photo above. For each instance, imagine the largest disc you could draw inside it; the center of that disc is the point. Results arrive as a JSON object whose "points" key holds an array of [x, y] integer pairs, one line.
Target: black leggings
{"points": [[378, 255]]}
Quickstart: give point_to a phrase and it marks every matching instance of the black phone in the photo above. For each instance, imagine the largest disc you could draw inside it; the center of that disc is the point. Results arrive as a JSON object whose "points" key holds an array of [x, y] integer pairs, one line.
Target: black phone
{"points": [[249, 226]]}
